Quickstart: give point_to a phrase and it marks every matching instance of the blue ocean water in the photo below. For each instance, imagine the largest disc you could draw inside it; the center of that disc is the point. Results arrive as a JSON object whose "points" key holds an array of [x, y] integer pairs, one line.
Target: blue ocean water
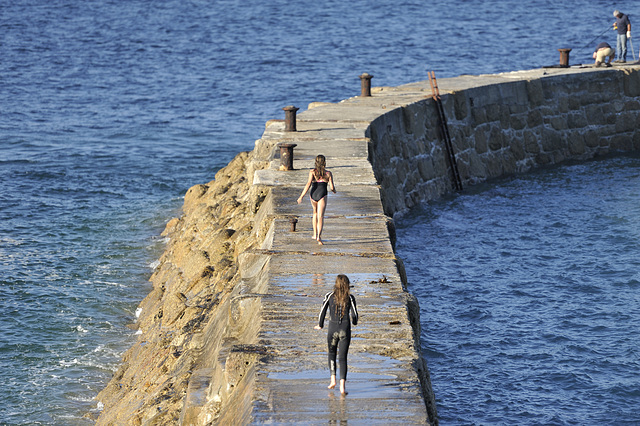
{"points": [[110, 110], [529, 291]]}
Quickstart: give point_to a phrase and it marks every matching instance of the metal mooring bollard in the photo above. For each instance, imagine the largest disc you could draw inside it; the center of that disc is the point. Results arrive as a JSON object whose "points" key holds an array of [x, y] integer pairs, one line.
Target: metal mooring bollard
{"points": [[564, 57], [286, 155], [290, 118], [365, 83], [293, 222]]}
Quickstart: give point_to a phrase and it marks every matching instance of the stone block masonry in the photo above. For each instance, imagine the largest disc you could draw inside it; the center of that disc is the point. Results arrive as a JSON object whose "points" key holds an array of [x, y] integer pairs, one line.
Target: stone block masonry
{"points": [[227, 334], [503, 124]]}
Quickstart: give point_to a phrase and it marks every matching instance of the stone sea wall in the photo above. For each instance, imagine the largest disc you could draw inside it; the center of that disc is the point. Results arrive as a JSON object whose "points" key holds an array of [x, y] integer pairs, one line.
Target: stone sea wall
{"points": [[504, 127], [194, 361]]}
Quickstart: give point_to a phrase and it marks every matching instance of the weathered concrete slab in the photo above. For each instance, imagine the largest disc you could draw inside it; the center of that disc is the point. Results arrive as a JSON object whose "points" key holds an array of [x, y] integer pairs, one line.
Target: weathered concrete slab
{"points": [[353, 171], [358, 109], [342, 149], [316, 131], [359, 236]]}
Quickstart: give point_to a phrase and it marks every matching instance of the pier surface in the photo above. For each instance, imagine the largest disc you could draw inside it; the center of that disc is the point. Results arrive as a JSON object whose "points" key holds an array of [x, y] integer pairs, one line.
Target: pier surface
{"points": [[383, 385]]}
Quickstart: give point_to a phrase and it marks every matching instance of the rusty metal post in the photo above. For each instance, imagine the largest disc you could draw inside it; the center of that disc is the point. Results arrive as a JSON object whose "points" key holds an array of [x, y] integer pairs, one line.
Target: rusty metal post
{"points": [[290, 118], [293, 222], [365, 83], [286, 155], [564, 57]]}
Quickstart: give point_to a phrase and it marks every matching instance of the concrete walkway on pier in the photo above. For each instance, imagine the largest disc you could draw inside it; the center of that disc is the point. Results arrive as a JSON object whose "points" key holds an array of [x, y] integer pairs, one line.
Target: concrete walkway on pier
{"points": [[383, 383]]}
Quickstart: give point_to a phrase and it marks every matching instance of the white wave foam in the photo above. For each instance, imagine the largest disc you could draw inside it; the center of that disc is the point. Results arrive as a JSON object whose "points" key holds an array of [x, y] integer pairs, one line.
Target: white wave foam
{"points": [[80, 398], [10, 241]]}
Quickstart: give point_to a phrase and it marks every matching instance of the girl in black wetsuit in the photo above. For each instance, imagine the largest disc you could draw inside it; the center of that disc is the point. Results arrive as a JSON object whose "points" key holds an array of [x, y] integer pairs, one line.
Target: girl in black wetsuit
{"points": [[341, 305], [319, 180]]}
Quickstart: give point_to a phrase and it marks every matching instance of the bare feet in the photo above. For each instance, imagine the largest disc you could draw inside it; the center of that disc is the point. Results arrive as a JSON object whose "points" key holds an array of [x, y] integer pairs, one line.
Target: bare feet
{"points": [[343, 391], [333, 383], [320, 241]]}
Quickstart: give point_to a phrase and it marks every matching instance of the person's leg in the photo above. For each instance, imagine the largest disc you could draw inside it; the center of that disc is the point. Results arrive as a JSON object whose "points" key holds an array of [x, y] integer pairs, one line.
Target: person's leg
{"points": [[314, 204], [343, 387], [622, 47], [322, 206], [343, 351], [618, 48], [332, 344], [599, 55]]}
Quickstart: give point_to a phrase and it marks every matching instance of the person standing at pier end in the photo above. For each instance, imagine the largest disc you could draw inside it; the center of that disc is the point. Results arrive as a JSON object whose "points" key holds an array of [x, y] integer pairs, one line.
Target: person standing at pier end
{"points": [[623, 26], [319, 179], [342, 312]]}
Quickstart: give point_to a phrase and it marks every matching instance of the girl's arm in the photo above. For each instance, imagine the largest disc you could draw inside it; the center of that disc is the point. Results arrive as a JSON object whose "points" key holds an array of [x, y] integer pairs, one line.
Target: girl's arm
{"points": [[323, 311], [331, 185], [307, 186], [354, 310]]}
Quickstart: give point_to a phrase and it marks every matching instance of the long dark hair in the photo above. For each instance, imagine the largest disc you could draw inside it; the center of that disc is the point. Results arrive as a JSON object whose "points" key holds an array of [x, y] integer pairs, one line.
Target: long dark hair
{"points": [[341, 293], [319, 170]]}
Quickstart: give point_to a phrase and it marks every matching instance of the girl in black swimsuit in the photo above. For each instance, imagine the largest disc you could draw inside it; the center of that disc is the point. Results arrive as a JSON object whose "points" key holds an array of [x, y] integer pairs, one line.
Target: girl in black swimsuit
{"points": [[319, 180], [341, 305]]}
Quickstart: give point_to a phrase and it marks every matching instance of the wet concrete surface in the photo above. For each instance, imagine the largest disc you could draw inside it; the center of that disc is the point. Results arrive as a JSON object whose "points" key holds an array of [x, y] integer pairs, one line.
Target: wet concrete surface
{"points": [[382, 385]]}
